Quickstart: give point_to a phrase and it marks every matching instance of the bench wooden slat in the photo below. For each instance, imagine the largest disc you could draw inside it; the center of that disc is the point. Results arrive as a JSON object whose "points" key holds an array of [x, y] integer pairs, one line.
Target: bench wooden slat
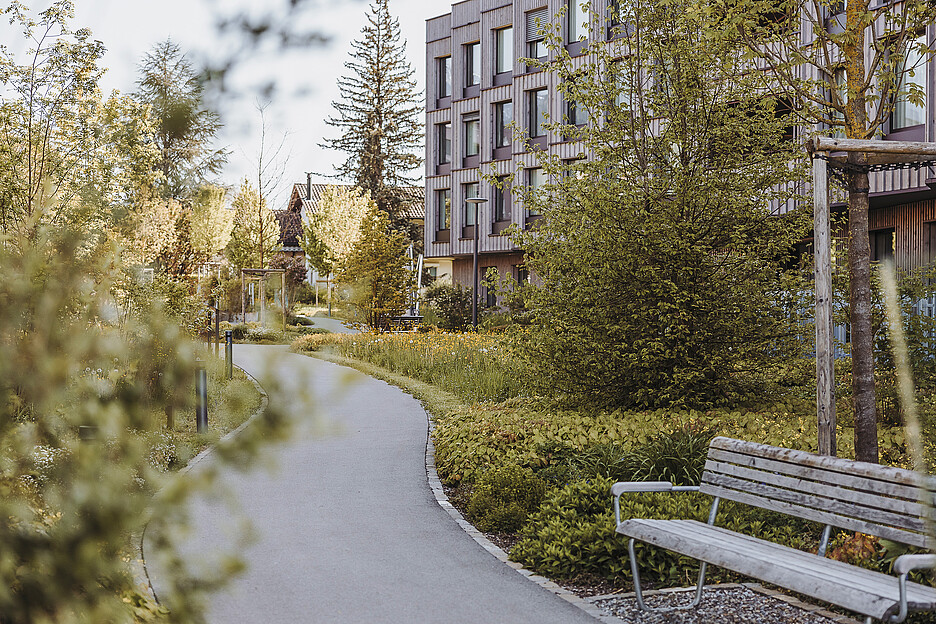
{"points": [[748, 545], [810, 502], [875, 472], [885, 488], [842, 522], [864, 591], [820, 488]]}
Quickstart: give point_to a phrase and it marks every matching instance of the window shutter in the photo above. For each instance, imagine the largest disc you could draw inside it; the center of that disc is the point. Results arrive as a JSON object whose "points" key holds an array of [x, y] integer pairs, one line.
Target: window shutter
{"points": [[536, 21]]}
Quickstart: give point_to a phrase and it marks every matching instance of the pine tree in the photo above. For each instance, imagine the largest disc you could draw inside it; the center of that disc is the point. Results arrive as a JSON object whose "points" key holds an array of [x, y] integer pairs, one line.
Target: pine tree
{"points": [[186, 127], [379, 116]]}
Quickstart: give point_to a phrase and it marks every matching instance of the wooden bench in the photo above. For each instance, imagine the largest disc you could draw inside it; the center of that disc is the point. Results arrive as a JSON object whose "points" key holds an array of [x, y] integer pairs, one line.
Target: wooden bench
{"points": [[401, 324], [855, 496]]}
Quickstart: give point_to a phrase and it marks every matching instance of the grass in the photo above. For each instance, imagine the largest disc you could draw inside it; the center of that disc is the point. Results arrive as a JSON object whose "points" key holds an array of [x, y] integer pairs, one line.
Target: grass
{"points": [[230, 403], [475, 367]]}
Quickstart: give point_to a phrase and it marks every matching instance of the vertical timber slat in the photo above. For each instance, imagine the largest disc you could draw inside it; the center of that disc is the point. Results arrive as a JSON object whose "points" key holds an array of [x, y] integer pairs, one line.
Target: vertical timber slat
{"points": [[825, 390]]}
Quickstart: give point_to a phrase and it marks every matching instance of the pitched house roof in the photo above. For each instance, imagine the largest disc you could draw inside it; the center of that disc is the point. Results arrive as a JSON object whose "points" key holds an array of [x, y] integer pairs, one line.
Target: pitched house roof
{"points": [[304, 199]]}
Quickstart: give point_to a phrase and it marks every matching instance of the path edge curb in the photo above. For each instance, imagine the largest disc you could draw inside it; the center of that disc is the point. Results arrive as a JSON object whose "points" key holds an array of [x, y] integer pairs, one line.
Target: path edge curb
{"points": [[264, 403], [435, 484]]}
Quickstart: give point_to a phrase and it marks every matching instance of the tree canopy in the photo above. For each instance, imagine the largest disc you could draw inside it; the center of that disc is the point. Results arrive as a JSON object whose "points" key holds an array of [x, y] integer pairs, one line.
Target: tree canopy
{"points": [[659, 258], [376, 273], [329, 233], [849, 70], [379, 115], [185, 127]]}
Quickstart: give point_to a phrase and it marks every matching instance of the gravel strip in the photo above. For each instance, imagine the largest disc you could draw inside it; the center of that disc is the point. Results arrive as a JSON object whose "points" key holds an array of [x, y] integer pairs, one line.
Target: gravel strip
{"points": [[732, 605]]}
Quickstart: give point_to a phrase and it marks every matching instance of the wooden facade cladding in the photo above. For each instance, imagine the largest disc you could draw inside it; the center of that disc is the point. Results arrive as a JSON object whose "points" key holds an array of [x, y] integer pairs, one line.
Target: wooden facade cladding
{"points": [[913, 225], [911, 216]]}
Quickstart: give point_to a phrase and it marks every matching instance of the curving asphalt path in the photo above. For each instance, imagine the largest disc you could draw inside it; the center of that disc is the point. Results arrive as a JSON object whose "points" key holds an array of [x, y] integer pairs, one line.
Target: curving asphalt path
{"points": [[346, 527]]}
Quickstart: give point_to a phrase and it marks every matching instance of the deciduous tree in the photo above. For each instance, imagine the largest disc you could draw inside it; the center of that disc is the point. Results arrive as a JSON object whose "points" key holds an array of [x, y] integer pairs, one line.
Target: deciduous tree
{"points": [[255, 229], [377, 272], [329, 234], [52, 95], [659, 259], [845, 66]]}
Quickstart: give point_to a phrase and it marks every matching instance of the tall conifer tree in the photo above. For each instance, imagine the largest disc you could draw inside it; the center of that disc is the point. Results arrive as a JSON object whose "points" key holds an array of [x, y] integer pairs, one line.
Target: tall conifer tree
{"points": [[379, 116]]}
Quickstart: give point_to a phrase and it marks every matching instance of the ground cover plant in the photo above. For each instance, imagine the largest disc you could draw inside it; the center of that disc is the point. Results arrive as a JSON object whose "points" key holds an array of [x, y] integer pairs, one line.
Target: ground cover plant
{"points": [[485, 449]]}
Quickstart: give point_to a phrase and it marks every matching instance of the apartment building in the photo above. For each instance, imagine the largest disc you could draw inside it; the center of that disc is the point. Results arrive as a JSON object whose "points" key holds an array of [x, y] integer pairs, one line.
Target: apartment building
{"points": [[477, 86]]}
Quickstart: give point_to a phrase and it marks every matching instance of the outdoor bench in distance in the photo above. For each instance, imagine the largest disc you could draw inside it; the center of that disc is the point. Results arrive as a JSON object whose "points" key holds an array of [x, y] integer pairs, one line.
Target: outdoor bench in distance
{"points": [[855, 496]]}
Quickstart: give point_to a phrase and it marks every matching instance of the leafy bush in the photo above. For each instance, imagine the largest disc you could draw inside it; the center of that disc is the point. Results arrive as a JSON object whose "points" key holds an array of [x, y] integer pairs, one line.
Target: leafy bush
{"points": [[503, 498], [451, 305], [254, 332], [677, 456], [78, 350], [305, 293], [528, 433], [572, 534]]}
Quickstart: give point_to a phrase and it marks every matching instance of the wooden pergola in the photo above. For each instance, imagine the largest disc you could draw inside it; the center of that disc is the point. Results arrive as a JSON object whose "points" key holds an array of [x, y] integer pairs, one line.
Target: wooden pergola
{"points": [[261, 274], [825, 151]]}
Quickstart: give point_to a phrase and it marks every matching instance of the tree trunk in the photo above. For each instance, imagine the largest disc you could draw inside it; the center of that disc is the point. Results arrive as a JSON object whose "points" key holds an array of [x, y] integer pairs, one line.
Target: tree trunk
{"points": [[862, 338]]}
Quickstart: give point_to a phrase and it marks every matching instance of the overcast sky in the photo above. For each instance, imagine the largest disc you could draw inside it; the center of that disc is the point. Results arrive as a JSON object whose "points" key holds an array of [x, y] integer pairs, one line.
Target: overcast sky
{"points": [[305, 79]]}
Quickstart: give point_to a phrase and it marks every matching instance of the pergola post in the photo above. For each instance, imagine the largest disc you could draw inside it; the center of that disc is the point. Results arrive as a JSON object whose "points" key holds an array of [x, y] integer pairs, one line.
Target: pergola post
{"points": [[825, 362]]}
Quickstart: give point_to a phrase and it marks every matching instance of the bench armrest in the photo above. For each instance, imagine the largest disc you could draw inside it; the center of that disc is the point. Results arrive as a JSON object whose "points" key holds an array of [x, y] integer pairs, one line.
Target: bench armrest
{"points": [[629, 487], [905, 563]]}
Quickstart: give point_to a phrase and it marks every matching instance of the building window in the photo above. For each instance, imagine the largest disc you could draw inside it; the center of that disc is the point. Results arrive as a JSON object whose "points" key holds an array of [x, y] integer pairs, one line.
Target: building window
{"points": [[575, 17], [615, 18], [444, 209], [472, 134], [838, 95], [444, 67], [537, 103], [444, 133], [503, 117], [535, 179], [576, 114], [536, 23], [521, 273], [503, 50], [912, 74], [502, 199], [469, 190], [882, 244], [473, 64], [489, 286]]}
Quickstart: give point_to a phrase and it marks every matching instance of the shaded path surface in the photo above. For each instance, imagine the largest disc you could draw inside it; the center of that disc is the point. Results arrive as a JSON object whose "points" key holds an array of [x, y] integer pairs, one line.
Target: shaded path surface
{"points": [[346, 527]]}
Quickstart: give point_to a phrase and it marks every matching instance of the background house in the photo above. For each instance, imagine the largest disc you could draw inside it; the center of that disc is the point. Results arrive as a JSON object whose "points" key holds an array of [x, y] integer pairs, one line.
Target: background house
{"points": [[305, 197]]}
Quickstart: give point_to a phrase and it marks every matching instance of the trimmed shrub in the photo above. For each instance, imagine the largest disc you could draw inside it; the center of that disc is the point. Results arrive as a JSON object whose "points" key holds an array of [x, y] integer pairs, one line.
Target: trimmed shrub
{"points": [[504, 497]]}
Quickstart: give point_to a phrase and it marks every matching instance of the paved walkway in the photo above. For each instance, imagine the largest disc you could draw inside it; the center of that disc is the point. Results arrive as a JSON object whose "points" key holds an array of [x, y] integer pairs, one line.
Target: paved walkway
{"points": [[346, 527]]}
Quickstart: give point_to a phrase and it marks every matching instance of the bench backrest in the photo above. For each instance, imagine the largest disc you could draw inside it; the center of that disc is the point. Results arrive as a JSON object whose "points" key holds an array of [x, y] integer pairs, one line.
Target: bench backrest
{"points": [[857, 496]]}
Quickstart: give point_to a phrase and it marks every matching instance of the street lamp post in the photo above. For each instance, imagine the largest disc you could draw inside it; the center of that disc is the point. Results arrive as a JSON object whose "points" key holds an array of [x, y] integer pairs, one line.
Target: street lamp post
{"points": [[476, 201]]}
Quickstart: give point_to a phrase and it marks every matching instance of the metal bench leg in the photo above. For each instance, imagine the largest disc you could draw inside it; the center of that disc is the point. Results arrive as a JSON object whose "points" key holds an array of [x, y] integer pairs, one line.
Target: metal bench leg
{"points": [[638, 593]]}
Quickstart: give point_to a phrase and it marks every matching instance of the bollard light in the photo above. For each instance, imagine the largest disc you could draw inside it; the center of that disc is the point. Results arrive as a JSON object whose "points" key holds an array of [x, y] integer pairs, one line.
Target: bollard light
{"points": [[201, 399], [229, 352]]}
